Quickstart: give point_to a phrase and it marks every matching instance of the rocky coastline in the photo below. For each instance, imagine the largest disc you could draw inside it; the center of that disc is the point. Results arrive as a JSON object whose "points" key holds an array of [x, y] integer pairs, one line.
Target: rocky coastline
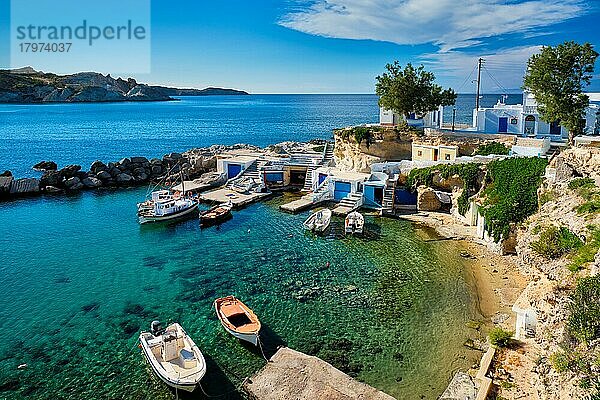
{"points": [[198, 163], [28, 86]]}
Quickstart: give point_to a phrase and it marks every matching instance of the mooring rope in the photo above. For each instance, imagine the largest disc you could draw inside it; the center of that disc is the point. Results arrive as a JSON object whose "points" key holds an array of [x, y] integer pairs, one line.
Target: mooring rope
{"points": [[261, 348]]}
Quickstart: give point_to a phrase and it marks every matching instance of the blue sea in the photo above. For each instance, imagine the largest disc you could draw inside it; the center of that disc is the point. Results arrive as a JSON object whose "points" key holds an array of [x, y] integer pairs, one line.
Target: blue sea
{"points": [[82, 133], [80, 278]]}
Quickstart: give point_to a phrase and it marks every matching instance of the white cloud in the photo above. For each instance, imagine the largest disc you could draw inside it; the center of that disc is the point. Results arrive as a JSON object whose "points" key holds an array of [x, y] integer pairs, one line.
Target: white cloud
{"points": [[503, 69], [446, 23]]}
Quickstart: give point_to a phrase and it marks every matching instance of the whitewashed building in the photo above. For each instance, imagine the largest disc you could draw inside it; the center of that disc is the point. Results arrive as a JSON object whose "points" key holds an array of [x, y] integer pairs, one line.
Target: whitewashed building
{"points": [[432, 119], [524, 120]]}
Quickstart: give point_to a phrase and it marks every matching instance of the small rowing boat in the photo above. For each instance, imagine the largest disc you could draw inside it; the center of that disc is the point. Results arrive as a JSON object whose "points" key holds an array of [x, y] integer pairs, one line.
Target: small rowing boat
{"points": [[238, 319], [318, 221], [355, 223], [216, 214], [173, 356]]}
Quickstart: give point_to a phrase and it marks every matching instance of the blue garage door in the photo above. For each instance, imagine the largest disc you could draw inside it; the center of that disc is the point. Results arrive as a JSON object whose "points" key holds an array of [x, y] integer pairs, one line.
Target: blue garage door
{"points": [[341, 190], [274, 177], [233, 170]]}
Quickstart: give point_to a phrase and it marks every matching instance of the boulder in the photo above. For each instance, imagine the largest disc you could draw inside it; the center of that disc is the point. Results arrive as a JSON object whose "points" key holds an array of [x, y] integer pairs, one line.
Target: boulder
{"points": [[156, 170], [69, 171], [25, 186], [5, 183], [70, 183], [45, 166], [123, 178], [141, 177], [82, 175], [52, 189], [139, 160], [124, 161], [98, 166], [91, 182], [6, 173], [114, 172], [139, 171], [427, 199], [50, 178], [103, 175], [156, 161]]}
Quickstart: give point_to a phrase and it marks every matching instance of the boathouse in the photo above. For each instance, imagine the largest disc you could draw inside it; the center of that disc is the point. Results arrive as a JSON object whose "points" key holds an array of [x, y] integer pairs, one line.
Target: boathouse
{"points": [[234, 166]]}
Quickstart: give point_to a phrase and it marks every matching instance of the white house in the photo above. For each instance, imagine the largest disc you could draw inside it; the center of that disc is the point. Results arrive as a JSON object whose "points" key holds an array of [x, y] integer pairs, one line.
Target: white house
{"points": [[524, 120], [432, 119]]}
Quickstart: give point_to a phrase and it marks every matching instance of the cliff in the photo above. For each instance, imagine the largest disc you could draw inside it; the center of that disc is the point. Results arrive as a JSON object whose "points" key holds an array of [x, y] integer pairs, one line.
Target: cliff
{"points": [[26, 85]]}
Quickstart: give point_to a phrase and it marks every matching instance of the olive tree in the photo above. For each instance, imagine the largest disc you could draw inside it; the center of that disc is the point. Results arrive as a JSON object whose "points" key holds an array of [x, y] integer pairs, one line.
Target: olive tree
{"points": [[557, 76], [411, 90]]}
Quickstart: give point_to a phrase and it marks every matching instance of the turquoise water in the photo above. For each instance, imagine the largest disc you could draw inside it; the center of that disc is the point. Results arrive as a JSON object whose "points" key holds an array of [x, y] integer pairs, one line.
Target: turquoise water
{"points": [[81, 278]]}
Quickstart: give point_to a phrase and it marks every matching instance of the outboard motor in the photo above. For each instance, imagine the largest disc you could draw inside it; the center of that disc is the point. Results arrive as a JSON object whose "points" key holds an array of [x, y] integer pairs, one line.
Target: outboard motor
{"points": [[156, 328]]}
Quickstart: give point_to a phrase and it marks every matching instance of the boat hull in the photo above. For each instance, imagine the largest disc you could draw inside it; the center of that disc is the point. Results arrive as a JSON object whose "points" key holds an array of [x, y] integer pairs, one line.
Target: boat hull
{"points": [[248, 337], [178, 215]]}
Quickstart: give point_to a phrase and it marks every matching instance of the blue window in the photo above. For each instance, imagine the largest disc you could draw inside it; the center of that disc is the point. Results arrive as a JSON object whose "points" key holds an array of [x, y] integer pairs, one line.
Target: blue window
{"points": [[274, 177]]}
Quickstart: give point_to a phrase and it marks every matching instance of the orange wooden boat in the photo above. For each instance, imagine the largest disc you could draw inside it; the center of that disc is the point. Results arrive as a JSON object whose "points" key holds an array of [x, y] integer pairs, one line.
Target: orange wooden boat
{"points": [[238, 319]]}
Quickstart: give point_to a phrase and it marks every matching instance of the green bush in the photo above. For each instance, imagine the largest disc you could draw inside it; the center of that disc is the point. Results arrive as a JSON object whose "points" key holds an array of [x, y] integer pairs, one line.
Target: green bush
{"points": [[511, 193], [590, 207], [560, 361], [500, 338], [586, 253], [492, 148], [556, 242], [581, 182], [584, 310]]}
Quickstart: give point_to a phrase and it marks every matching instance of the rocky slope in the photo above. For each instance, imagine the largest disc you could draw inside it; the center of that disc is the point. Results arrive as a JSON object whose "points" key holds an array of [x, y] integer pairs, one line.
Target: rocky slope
{"points": [[533, 370], [29, 86]]}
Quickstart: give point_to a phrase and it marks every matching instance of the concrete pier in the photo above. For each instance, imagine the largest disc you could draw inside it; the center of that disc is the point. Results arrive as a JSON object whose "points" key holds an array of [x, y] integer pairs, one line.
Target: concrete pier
{"points": [[294, 375], [298, 205], [238, 200]]}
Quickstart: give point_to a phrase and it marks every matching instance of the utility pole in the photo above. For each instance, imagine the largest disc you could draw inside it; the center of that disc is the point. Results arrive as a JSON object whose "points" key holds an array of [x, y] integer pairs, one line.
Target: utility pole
{"points": [[479, 65], [453, 117]]}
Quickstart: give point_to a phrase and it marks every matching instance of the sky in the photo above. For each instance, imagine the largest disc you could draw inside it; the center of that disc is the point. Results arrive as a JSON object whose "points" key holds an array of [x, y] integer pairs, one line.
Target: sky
{"points": [[340, 46]]}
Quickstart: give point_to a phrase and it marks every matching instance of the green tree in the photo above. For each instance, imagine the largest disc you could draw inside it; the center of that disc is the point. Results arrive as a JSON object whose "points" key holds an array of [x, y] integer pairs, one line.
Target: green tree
{"points": [[411, 90], [556, 77]]}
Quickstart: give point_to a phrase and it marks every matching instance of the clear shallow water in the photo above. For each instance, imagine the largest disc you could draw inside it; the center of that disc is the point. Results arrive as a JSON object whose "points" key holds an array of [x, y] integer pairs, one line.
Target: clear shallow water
{"points": [[82, 133], [81, 278]]}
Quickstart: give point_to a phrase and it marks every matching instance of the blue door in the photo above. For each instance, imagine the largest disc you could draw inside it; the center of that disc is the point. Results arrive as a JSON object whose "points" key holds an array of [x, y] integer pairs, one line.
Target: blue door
{"points": [[322, 177], [503, 124], [341, 190], [233, 170]]}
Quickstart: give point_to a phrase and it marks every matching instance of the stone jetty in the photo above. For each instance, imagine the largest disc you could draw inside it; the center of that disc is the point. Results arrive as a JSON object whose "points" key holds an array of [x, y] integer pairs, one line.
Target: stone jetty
{"points": [[197, 166], [294, 375]]}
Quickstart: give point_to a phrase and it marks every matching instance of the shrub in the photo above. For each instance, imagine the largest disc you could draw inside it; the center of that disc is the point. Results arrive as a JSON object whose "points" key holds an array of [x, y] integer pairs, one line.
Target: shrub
{"points": [[584, 318], [560, 361], [491, 148], [581, 182], [590, 207], [586, 253], [547, 197], [500, 338], [555, 242], [511, 193]]}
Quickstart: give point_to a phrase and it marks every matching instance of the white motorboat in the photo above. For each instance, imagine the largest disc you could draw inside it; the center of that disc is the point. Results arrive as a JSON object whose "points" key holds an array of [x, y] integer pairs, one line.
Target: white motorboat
{"points": [[318, 221], [165, 206], [355, 223], [238, 319], [173, 356]]}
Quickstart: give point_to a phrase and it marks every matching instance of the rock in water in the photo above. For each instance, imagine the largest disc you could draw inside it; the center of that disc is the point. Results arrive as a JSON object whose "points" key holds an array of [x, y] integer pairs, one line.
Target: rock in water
{"points": [[45, 166], [25, 186], [91, 182]]}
